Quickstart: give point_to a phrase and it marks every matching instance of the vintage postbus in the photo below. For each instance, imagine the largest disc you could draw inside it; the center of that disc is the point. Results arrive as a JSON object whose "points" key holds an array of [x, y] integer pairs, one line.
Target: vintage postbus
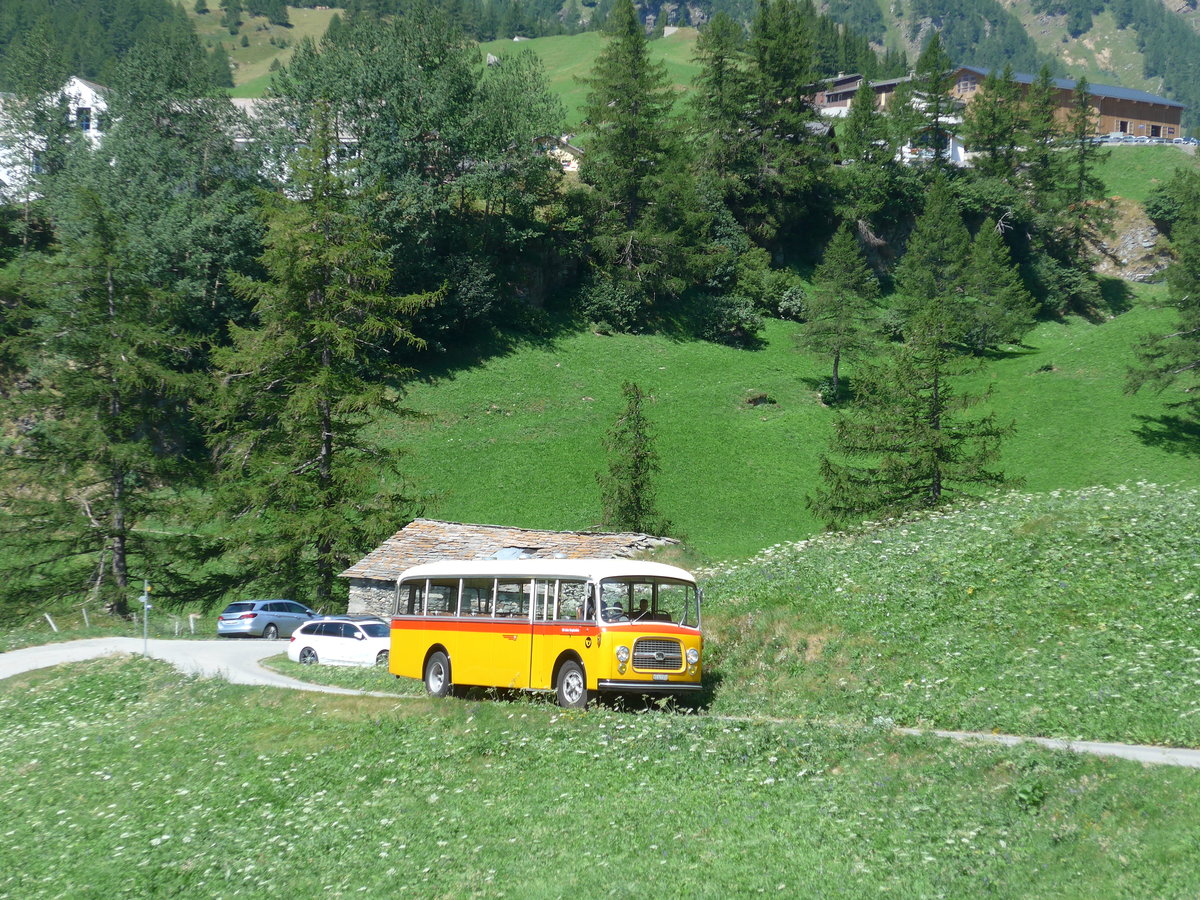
{"points": [[573, 626]]}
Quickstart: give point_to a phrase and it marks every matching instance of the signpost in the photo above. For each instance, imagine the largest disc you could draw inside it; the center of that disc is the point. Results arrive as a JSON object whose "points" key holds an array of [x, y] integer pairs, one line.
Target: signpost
{"points": [[146, 607]]}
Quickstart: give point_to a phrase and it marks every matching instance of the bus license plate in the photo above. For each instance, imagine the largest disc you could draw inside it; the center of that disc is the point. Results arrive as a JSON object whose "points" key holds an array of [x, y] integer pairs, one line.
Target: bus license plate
{"points": [[660, 676]]}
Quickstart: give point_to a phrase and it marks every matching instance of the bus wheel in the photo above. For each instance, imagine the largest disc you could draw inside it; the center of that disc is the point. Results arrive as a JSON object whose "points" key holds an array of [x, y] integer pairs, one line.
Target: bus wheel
{"points": [[437, 675], [571, 686]]}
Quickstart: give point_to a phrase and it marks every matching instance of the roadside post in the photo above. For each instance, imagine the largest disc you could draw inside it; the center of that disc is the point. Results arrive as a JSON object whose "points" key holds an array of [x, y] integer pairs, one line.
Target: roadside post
{"points": [[146, 607]]}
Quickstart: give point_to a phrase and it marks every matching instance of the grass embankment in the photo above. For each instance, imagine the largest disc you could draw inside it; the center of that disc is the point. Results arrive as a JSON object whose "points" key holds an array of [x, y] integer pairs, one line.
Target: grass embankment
{"points": [[200, 788], [518, 439], [1067, 614]]}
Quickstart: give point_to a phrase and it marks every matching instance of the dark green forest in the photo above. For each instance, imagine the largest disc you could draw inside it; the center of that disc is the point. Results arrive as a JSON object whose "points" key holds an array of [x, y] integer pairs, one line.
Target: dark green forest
{"points": [[202, 319]]}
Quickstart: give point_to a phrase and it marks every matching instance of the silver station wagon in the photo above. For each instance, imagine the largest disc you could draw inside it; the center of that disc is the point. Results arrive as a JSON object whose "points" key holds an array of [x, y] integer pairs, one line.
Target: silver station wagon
{"points": [[268, 619]]}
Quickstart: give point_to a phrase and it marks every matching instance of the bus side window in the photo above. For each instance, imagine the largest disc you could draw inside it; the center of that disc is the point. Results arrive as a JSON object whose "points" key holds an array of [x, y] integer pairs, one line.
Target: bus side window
{"points": [[543, 600], [442, 599], [571, 596], [408, 599], [512, 599], [477, 596]]}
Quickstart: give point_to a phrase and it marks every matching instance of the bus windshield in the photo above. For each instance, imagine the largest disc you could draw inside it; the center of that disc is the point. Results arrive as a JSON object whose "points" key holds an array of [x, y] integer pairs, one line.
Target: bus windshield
{"points": [[635, 599]]}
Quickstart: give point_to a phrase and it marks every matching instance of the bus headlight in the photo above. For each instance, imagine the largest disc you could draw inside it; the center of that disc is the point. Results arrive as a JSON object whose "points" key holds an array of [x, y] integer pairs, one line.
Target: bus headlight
{"points": [[693, 656], [622, 654]]}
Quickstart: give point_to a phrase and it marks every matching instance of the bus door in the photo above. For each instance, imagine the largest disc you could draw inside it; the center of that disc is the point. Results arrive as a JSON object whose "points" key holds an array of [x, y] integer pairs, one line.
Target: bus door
{"points": [[562, 620], [497, 633]]}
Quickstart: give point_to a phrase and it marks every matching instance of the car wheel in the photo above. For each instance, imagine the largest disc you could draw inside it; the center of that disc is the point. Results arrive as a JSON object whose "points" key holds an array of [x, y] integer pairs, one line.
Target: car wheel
{"points": [[382, 658], [437, 675], [571, 686], [308, 656], [270, 633]]}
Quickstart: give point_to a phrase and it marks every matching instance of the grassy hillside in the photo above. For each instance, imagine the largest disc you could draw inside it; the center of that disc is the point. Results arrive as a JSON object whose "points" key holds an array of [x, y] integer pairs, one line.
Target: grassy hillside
{"points": [[200, 788], [251, 64], [517, 439], [569, 58], [1132, 172], [1067, 614]]}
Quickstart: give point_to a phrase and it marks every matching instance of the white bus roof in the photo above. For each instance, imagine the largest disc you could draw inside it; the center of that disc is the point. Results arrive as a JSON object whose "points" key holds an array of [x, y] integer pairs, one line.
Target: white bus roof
{"points": [[546, 568]]}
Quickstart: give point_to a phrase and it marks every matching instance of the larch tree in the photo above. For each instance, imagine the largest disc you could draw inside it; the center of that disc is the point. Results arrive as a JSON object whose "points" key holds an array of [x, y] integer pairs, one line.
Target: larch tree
{"points": [[627, 490], [840, 314], [908, 441], [993, 125], [119, 309], [998, 308], [935, 260], [302, 490], [629, 98], [1172, 358]]}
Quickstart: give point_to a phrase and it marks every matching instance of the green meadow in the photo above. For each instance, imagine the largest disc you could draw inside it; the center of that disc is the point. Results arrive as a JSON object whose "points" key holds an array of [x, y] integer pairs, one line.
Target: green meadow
{"points": [[122, 778], [568, 60], [517, 438]]}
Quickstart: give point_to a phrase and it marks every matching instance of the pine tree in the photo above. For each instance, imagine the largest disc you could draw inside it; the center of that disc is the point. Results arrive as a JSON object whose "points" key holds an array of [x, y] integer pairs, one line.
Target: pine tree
{"points": [[932, 80], [998, 307], [302, 490], [627, 105], [908, 442], [1173, 358], [935, 260], [840, 314], [627, 492], [993, 125]]}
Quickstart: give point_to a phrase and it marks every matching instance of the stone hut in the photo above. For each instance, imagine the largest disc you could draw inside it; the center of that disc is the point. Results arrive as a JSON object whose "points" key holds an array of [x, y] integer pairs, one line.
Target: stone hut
{"points": [[373, 578]]}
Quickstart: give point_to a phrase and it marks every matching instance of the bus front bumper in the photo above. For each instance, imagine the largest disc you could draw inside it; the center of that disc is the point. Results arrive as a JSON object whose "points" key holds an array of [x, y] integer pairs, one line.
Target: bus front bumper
{"points": [[648, 687]]}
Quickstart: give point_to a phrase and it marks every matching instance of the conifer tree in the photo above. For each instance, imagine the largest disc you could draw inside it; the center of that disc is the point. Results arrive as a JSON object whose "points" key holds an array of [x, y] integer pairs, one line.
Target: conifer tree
{"points": [[1087, 209], [840, 314], [219, 65], [627, 490], [998, 307], [993, 126], [119, 310], [719, 100], [789, 156], [874, 186], [302, 489], [1040, 160], [908, 441], [935, 260], [932, 80], [1173, 358], [628, 101]]}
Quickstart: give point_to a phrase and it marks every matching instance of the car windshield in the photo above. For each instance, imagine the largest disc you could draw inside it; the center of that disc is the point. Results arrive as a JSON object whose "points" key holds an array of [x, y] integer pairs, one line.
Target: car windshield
{"points": [[375, 629], [238, 608], [649, 600]]}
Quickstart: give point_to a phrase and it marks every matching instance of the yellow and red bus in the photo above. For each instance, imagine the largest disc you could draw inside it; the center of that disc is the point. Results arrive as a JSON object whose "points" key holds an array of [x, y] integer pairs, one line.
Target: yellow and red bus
{"points": [[574, 626]]}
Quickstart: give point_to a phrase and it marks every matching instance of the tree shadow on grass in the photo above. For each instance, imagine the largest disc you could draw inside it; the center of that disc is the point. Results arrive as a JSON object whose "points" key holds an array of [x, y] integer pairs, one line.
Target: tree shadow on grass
{"points": [[1117, 295], [1174, 434]]}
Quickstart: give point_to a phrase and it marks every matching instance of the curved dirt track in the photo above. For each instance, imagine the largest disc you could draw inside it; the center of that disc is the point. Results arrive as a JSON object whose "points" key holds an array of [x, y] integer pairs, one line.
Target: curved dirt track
{"points": [[237, 661]]}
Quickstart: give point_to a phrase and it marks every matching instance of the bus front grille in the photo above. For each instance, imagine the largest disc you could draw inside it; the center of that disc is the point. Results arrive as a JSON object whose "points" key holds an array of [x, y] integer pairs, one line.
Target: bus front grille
{"points": [[651, 654]]}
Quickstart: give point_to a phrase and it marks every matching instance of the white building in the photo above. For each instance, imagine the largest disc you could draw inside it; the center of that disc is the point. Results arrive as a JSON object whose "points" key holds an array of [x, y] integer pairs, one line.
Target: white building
{"points": [[86, 110]]}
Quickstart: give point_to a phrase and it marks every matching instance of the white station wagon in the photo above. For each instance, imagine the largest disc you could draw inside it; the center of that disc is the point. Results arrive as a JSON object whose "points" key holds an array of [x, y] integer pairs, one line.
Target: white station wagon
{"points": [[341, 642]]}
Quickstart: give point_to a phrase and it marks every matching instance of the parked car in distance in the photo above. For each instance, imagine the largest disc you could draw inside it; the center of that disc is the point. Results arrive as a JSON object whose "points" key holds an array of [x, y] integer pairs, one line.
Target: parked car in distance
{"points": [[268, 619], [342, 641]]}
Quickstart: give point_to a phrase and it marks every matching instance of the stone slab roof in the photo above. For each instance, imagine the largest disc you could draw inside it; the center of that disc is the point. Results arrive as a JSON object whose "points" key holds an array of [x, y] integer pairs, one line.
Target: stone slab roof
{"points": [[428, 540]]}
